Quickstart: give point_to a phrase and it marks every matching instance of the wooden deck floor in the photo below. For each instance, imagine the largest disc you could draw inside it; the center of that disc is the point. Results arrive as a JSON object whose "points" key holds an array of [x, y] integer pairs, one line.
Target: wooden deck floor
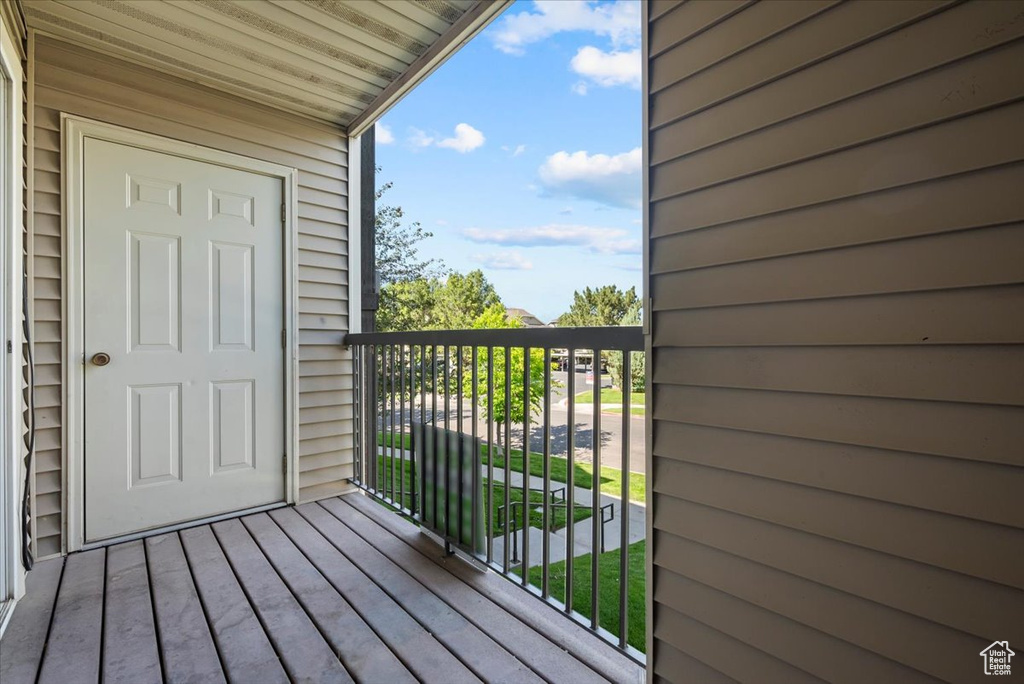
{"points": [[337, 591]]}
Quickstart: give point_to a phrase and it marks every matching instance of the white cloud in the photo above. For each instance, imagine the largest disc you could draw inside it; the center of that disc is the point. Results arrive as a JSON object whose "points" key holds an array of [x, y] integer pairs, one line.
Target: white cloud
{"points": [[606, 69], [504, 261], [596, 240], [580, 88], [466, 139], [565, 211], [619, 21], [514, 151], [418, 138], [382, 135], [612, 180]]}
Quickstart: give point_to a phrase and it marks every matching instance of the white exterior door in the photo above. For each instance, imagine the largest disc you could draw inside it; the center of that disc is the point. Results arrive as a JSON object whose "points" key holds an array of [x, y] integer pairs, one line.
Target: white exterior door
{"points": [[183, 284]]}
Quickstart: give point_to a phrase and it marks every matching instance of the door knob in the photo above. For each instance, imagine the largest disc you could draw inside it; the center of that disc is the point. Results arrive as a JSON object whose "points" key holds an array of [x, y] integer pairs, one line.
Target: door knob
{"points": [[101, 359]]}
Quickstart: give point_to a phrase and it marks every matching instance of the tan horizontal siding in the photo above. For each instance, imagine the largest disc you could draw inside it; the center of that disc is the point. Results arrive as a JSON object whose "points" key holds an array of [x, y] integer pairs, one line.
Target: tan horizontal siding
{"points": [[756, 23], [941, 39], [976, 199], [47, 342], [963, 316], [828, 34], [972, 258], [984, 140], [76, 81], [28, 177], [870, 472], [837, 281], [957, 373]]}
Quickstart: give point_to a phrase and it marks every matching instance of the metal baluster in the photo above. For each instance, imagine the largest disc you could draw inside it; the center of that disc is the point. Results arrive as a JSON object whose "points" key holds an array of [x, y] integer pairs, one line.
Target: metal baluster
{"points": [[475, 457], [627, 395], [490, 455], [570, 483], [401, 426], [375, 418], [433, 424], [462, 463], [595, 505], [385, 447], [447, 443], [391, 421], [508, 453], [357, 461], [526, 467], [546, 559], [417, 502]]}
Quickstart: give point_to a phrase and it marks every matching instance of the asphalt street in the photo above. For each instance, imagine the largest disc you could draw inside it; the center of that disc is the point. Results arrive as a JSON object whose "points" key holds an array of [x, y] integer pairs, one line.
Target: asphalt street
{"points": [[611, 428]]}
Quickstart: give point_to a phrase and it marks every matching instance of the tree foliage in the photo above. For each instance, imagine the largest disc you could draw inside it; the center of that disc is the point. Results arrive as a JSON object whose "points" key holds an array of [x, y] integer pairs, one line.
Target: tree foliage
{"points": [[637, 365], [451, 303], [406, 305], [397, 251], [599, 306], [463, 299]]}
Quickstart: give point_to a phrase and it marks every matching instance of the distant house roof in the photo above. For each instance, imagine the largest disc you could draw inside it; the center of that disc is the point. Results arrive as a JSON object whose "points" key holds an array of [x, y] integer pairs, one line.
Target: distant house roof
{"points": [[527, 318]]}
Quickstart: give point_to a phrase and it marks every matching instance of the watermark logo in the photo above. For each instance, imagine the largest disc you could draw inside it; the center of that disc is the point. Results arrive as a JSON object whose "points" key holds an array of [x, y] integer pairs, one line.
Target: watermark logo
{"points": [[997, 658]]}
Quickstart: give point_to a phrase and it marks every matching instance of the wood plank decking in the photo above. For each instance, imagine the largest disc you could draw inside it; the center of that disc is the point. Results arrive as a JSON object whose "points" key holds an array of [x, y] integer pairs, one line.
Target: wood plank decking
{"points": [[337, 591]]}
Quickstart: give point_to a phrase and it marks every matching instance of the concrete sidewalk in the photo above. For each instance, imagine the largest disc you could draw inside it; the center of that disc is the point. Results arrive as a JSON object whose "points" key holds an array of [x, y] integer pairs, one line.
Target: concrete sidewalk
{"points": [[583, 542]]}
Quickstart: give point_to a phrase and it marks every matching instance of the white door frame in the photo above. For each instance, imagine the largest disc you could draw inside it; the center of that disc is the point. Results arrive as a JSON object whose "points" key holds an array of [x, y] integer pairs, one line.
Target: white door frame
{"points": [[12, 578], [74, 132]]}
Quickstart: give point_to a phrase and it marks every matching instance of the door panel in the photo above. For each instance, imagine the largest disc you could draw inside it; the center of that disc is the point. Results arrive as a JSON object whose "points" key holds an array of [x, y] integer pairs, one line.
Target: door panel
{"points": [[154, 425], [183, 288], [231, 293], [231, 432], [154, 308]]}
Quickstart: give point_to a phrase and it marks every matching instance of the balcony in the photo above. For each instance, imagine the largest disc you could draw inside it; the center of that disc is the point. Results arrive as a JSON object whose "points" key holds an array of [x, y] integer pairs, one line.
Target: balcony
{"points": [[545, 496], [337, 591]]}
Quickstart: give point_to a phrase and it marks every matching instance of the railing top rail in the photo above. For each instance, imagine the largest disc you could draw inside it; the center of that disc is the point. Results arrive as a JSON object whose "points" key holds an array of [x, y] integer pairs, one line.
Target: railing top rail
{"points": [[624, 338]]}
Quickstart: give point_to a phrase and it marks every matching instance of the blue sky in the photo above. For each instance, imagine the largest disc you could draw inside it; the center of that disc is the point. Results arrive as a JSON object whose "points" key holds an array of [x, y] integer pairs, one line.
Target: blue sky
{"points": [[522, 153]]}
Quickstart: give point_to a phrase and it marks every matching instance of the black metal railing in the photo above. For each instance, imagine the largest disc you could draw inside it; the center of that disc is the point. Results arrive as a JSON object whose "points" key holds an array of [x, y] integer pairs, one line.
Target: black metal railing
{"points": [[499, 387]]}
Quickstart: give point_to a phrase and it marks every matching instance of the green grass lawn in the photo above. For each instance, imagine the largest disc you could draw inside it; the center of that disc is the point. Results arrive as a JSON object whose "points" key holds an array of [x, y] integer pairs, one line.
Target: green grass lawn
{"points": [[583, 473], [608, 563], [392, 478], [608, 590], [611, 478], [611, 401]]}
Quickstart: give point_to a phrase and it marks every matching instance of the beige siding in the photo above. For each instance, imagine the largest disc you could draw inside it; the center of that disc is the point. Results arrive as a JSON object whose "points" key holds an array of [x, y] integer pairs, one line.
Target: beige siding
{"points": [[76, 81], [837, 283]]}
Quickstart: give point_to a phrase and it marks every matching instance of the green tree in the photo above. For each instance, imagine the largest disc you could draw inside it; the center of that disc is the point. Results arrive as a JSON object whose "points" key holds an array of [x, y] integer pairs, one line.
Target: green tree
{"points": [[407, 305], [463, 299], [397, 251], [453, 303], [599, 306], [637, 363], [494, 317]]}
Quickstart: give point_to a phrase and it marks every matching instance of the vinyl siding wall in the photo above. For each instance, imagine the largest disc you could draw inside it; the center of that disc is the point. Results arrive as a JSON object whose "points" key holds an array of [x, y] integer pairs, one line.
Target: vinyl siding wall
{"points": [[80, 82], [837, 283]]}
